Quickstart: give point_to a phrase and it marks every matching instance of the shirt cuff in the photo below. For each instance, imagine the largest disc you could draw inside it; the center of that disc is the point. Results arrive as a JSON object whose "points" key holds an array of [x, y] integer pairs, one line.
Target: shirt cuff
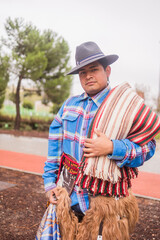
{"points": [[119, 150], [49, 187]]}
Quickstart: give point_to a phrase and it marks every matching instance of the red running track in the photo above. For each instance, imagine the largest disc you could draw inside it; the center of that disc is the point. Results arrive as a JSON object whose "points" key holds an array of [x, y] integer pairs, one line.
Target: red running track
{"points": [[147, 184]]}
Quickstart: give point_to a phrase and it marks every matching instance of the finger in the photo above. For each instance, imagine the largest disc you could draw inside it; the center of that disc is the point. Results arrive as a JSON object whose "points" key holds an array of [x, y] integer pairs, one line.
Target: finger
{"points": [[52, 198], [89, 140], [54, 194], [86, 144], [89, 155], [98, 132], [53, 201], [87, 150]]}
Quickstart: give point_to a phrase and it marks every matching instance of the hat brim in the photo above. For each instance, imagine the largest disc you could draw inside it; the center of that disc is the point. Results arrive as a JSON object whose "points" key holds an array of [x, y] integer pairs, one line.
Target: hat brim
{"points": [[108, 60]]}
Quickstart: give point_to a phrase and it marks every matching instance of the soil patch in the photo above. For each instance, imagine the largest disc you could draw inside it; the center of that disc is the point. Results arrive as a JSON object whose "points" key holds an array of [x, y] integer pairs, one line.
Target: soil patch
{"points": [[23, 205], [32, 133]]}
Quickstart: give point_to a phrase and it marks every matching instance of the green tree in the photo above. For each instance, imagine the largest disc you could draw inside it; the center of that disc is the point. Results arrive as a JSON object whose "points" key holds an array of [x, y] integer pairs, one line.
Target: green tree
{"points": [[41, 57], [4, 77], [55, 85]]}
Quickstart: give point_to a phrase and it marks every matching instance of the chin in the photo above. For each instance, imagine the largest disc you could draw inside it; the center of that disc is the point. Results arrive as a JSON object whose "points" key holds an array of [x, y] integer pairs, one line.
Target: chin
{"points": [[92, 93]]}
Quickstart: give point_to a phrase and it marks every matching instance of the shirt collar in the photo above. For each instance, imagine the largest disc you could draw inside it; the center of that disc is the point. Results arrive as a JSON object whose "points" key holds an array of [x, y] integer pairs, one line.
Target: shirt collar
{"points": [[98, 98]]}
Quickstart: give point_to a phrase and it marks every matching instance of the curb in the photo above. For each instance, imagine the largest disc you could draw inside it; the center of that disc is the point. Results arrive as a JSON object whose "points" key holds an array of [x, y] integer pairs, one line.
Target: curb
{"points": [[147, 197], [40, 174], [19, 170]]}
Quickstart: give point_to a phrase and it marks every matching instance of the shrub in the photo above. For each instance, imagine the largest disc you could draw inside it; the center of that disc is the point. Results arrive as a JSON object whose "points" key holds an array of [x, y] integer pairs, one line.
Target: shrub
{"points": [[28, 105], [55, 108], [29, 124], [12, 97], [8, 125]]}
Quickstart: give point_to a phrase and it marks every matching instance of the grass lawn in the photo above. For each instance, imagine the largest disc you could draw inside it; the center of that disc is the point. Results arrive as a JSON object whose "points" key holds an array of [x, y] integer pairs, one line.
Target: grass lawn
{"points": [[9, 110], [30, 119]]}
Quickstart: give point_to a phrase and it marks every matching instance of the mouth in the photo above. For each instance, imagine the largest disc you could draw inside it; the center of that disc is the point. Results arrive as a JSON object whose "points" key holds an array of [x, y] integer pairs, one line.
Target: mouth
{"points": [[90, 83]]}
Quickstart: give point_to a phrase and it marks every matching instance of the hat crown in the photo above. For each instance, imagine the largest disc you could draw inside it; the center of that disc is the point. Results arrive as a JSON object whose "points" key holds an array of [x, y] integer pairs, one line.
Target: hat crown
{"points": [[87, 50]]}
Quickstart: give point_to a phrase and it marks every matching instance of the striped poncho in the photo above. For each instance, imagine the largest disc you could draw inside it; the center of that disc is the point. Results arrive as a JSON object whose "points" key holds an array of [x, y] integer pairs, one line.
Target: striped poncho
{"points": [[122, 114]]}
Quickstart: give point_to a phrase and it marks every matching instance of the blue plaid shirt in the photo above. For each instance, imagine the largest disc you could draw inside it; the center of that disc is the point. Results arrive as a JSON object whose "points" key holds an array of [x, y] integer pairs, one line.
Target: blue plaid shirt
{"points": [[68, 132]]}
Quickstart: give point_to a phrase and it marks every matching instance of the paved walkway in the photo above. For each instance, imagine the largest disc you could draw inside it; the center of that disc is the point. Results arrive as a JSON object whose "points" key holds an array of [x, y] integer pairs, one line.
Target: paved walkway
{"points": [[17, 153]]}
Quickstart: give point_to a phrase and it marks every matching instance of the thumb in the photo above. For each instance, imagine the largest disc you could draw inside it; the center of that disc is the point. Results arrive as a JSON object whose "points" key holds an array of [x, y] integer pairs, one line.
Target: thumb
{"points": [[98, 132]]}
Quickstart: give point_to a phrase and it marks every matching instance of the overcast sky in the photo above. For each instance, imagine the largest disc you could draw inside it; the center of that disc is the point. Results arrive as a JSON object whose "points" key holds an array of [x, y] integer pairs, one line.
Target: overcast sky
{"points": [[128, 28]]}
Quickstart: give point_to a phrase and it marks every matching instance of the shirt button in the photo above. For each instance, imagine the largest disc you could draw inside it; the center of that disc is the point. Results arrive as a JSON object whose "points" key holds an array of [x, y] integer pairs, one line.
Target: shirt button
{"points": [[81, 145], [84, 128], [90, 99]]}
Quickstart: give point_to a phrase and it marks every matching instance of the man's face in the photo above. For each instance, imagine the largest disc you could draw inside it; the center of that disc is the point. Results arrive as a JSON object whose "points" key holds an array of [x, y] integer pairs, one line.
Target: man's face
{"points": [[93, 77]]}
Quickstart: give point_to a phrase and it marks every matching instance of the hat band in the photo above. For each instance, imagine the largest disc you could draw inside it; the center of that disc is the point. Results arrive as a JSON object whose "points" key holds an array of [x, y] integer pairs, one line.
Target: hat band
{"points": [[92, 57]]}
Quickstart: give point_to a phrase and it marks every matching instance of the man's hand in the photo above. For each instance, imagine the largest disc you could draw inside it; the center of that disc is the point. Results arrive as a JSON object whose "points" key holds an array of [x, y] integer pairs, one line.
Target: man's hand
{"points": [[53, 195], [99, 146]]}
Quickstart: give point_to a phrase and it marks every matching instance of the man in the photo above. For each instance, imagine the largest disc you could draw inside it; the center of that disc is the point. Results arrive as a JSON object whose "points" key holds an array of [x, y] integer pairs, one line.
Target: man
{"points": [[68, 140]]}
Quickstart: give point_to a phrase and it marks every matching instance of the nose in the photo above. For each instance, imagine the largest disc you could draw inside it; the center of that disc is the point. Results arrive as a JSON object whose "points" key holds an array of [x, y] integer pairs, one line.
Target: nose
{"points": [[88, 75]]}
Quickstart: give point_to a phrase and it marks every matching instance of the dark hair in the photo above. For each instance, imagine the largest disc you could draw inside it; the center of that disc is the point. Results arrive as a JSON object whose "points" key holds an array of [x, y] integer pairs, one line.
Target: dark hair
{"points": [[103, 63]]}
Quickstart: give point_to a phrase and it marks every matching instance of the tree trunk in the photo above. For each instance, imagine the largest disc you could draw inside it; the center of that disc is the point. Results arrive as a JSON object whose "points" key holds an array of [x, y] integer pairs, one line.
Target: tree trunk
{"points": [[18, 117]]}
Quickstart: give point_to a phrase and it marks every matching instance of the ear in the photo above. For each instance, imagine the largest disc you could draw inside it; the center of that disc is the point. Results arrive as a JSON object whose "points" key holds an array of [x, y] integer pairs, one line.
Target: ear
{"points": [[108, 71]]}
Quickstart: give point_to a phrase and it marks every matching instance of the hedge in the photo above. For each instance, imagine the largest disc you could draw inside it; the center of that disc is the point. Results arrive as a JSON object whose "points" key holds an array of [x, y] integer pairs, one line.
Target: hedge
{"points": [[7, 122]]}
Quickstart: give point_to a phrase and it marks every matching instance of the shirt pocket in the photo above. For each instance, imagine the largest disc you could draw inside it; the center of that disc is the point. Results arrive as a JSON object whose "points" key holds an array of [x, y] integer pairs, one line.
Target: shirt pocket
{"points": [[70, 123]]}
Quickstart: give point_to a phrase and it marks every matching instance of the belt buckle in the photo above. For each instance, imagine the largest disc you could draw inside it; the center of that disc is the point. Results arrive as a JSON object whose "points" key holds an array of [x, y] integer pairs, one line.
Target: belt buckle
{"points": [[99, 237]]}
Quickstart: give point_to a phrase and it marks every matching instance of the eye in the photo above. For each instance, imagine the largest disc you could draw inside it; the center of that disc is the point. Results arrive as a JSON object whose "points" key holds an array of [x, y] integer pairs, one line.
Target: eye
{"points": [[82, 73], [94, 70]]}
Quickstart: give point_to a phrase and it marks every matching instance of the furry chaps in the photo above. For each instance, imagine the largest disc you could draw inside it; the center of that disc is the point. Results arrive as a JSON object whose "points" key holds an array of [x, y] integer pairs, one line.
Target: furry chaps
{"points": [[119, 218]]}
